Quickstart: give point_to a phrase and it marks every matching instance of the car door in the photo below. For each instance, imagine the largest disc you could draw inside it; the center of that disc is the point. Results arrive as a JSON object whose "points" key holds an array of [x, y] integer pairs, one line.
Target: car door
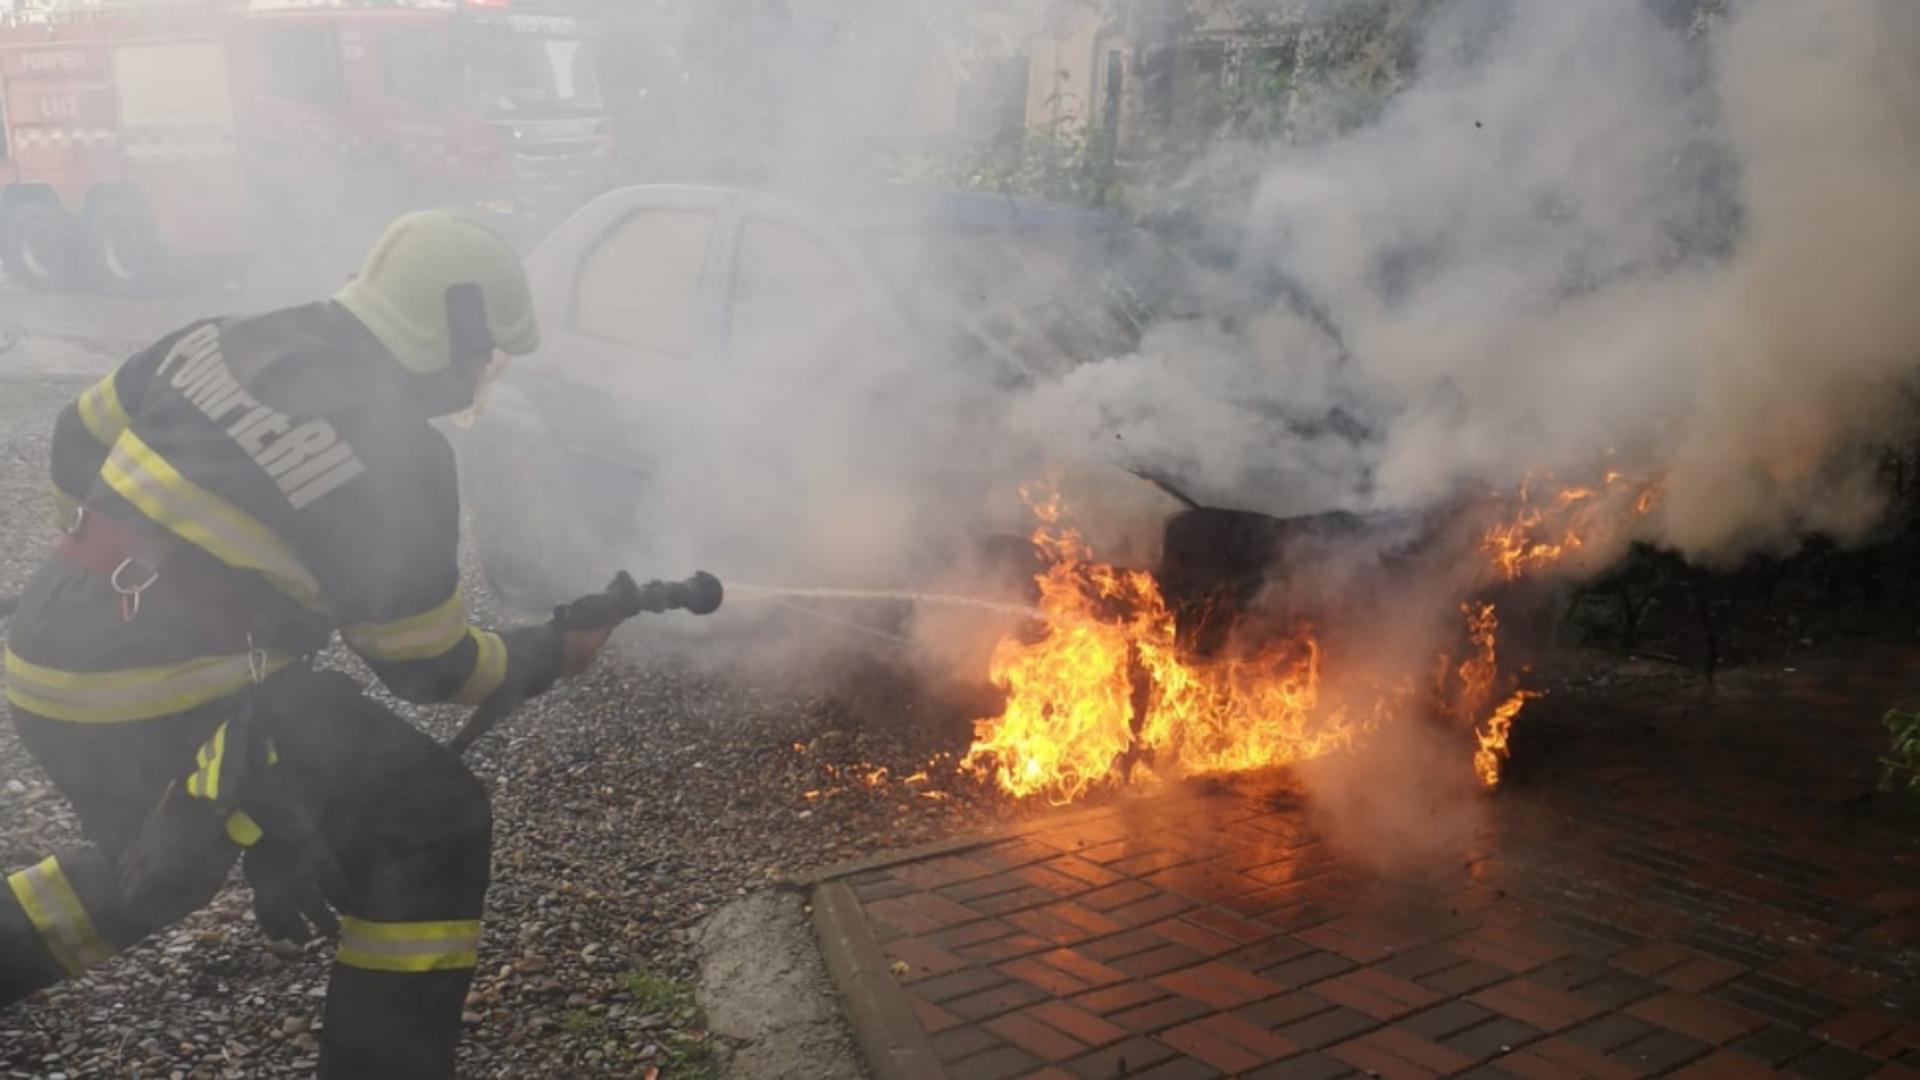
{"points": [[628, 295], [798, 291], [837, 430]]}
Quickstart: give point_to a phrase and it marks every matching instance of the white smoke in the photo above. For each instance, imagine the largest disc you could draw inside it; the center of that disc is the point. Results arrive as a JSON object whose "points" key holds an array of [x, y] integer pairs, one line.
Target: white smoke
{"points": [[1581, 238], [1578, 238]]}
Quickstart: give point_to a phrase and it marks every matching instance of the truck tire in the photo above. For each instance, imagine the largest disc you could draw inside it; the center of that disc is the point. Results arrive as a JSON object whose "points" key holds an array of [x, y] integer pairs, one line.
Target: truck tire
{"points": [[42, 247], [124, 253]]}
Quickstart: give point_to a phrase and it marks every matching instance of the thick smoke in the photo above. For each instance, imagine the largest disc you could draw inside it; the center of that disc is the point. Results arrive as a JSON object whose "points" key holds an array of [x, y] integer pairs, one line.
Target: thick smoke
{"points": [[1581, 239], [1805, 347], [852, 451]]}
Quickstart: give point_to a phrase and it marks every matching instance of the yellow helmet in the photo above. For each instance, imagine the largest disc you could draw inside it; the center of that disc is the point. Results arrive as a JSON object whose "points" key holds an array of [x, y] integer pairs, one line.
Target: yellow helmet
{"points": [[404, 293]]}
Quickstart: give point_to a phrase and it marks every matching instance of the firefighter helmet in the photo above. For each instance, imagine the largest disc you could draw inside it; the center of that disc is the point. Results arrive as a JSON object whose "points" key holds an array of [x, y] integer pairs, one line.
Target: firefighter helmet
{"points": [[406, 292]]}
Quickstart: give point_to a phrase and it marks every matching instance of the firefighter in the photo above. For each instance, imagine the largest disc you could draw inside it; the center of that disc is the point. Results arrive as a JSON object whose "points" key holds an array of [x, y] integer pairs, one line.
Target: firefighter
{"points": [[231, 497]]}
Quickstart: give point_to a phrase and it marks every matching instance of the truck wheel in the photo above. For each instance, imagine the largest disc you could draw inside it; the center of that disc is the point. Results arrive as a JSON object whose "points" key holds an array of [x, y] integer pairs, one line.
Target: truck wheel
{"points": [[42, 247], [125, 254]]}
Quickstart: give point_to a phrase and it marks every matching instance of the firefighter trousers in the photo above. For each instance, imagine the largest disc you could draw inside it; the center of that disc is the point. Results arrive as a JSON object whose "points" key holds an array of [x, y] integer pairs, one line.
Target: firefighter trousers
{"points": [[408, 825]]}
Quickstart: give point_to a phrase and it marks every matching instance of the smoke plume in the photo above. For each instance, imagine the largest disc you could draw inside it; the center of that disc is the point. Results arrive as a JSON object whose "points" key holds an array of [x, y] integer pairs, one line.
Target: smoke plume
{"points": [[1581, 239]]}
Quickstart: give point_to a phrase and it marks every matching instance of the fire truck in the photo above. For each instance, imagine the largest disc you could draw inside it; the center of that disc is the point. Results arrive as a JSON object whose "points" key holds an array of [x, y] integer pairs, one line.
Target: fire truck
{"points": [[141, 137]]}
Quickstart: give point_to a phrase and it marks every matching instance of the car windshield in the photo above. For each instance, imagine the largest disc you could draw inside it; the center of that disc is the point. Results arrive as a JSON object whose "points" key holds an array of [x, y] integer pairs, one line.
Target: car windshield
{"points": [[1040, 300], [512, 72]]}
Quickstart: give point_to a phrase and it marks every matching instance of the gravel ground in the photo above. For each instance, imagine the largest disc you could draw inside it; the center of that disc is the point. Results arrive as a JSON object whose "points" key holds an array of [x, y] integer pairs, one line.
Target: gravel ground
{"points": [[630, 804]]}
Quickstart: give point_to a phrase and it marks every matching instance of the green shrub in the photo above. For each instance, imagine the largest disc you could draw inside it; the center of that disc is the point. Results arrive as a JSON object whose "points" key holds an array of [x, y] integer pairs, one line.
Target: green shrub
{"points": [[1900, 768]]}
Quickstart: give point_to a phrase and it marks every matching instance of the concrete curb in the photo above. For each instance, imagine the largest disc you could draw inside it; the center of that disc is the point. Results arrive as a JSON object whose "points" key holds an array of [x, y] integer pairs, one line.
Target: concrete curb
{"points": [[883, 1023]]}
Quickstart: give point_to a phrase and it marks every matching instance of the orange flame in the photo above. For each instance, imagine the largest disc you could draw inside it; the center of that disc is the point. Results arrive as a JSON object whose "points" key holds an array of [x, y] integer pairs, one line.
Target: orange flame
{"points": [[1540, 533], [1493, 739], [1479, 674], [1103, 694]]}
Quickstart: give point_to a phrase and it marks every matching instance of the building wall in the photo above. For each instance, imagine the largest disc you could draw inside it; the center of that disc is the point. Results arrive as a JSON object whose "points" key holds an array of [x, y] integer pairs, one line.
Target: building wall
{"points": [[1187, 65], [1064, 80]]}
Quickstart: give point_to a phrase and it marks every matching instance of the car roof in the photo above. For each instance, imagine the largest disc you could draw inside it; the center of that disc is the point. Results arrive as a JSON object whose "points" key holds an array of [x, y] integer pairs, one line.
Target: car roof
{"points": [[903, 208], [890, 207], [885, 208]]}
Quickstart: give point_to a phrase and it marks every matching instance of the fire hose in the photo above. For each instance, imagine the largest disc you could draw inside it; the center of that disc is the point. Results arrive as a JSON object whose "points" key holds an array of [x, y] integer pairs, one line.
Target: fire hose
{"points": [[700, 594]]}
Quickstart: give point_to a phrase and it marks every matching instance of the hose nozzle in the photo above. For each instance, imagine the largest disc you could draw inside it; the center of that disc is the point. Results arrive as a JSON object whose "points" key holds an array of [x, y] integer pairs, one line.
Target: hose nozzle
{"points": [[700, 594]]}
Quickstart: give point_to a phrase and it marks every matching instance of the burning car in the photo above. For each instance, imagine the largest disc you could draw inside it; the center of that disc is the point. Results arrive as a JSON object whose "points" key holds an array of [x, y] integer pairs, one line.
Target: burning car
{"points": [[1173, 637], [664, 304]]}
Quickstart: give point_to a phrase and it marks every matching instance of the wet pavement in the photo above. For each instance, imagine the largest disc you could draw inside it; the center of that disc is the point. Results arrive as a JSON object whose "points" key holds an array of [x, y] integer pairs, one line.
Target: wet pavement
{"points": [[1677, 881]]}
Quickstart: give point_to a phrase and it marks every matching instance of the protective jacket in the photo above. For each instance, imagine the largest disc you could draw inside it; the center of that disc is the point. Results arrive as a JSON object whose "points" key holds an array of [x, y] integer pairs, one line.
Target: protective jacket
{"points": [[275, 459], [233, 496]]}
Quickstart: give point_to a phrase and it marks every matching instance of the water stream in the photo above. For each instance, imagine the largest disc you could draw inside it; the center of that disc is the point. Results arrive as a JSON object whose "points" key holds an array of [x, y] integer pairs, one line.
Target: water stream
{"points": [[743, 591]]}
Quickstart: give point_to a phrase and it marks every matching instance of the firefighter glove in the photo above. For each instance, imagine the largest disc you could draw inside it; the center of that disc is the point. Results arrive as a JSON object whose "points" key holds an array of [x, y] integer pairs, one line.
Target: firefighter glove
{"points": [[289, 866], [179, 861], [290, 880]]}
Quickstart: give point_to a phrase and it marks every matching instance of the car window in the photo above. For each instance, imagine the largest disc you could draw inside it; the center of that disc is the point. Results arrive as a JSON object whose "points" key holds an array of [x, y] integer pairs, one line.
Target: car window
{"points": [[1040, 301], [640, 285], [789, 294], [302, 63]]}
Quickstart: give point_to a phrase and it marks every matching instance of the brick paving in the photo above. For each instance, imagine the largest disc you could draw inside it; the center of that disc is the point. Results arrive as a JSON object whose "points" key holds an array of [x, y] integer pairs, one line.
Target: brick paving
{"points": [[1671, 884]]}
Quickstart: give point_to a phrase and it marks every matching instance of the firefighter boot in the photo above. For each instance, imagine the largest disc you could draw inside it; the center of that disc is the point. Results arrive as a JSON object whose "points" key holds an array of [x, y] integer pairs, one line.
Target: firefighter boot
{"points": [[415, 846], [392, 1025]]}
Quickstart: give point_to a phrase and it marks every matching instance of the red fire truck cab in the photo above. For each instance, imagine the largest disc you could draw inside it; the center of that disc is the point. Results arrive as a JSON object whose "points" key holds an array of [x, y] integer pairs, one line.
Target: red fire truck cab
{"points": [[143, 135]]}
